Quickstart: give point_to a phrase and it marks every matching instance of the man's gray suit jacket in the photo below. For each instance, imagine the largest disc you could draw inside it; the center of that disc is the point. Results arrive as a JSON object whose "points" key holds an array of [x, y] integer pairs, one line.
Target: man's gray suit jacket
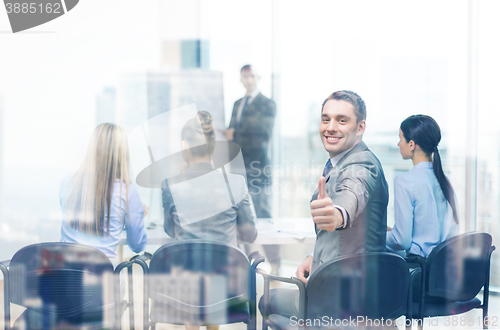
{"points": [[357, 183]]}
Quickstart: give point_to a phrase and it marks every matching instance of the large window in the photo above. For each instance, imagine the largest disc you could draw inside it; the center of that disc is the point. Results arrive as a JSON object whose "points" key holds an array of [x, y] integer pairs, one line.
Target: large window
{"points": [[488, 176], [60, 80]]}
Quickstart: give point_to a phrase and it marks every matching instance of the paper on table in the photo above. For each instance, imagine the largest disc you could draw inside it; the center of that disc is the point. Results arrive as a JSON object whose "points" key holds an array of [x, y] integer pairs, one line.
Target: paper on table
{"points": [[297, 228], [300, 234]]}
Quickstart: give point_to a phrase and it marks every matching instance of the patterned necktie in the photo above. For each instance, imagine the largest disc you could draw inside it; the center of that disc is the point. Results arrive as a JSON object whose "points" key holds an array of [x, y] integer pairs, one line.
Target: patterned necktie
{"points": [[328, 167], [242, 111]]}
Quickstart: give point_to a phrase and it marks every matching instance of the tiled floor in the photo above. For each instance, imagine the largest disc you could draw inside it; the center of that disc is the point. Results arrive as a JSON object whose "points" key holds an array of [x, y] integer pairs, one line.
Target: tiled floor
{"points": [[469, 321]]}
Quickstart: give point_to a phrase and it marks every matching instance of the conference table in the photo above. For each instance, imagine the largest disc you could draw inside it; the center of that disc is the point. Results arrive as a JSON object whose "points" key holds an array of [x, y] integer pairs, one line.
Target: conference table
{"points": [[271, 231]]}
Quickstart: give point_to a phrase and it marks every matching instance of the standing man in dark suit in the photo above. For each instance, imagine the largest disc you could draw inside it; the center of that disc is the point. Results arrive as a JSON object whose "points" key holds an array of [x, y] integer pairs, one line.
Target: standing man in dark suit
{"points": [[251, 128], [349, 208]]}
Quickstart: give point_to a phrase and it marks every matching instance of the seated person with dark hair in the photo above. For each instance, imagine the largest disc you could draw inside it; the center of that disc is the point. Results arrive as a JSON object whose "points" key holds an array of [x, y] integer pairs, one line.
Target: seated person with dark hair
{"points": [[349, 208], [196, 203], [205, 197], [424, 201]]}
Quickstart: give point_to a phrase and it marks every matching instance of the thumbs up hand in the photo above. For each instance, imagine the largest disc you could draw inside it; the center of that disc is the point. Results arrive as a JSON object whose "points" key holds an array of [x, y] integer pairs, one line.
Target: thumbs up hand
{"points": [[325, 215], [322, 188]]}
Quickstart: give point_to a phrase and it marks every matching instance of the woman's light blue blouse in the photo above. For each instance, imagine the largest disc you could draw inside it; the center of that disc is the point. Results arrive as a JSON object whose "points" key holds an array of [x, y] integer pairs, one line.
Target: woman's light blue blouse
{"points": [[423, 216], [133, 223]]}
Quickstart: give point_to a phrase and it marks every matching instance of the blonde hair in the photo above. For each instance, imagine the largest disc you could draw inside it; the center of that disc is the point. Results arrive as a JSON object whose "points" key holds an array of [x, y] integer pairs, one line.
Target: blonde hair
{"points": [[202, 138], [91, 188]]}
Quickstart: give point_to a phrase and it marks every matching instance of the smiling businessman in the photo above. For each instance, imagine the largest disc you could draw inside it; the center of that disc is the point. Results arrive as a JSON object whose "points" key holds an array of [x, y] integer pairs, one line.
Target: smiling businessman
{"points": [[349, 208]]}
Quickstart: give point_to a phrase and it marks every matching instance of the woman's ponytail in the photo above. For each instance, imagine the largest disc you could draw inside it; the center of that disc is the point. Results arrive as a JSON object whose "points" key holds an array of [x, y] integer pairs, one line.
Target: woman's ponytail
{"points": [[425, 132], [444, 182]]}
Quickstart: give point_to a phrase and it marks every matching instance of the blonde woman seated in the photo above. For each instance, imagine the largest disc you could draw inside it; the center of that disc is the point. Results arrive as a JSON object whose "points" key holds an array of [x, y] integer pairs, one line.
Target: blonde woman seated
{"points": [[424, 202], [99, 201]]}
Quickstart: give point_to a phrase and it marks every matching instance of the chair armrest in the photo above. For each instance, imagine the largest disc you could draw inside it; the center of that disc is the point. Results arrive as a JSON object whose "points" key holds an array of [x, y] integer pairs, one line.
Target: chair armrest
{"points": [[421, 271], [255, 259], [141, 261], [486, 287], [4, 267], [414, 259], [6, 292], [144, 257], [137, 259], [293, 280], [414, 272]]}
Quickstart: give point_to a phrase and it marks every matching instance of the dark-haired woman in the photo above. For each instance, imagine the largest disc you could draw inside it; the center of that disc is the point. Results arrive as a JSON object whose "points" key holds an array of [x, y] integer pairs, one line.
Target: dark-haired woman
{"points": [[424, 201]]}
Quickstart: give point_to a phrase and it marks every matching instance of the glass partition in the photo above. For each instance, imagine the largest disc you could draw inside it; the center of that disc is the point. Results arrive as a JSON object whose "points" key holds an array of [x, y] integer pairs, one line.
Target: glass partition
{"points": [[60, 80]]}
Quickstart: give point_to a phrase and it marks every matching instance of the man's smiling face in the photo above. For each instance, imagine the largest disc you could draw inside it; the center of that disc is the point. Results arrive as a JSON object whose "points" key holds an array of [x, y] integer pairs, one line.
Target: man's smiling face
{"points": [[339, 128]]}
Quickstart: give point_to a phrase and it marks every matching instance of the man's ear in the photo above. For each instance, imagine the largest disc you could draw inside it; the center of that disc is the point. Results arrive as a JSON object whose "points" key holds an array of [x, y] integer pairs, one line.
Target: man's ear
{"points": [[361, 127]]}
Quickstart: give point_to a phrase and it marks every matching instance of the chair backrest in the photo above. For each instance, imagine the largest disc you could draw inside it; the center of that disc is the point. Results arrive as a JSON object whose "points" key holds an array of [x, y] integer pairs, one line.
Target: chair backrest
{"points": [[458, 268], [199, 282], [372, 285], [62, 280]]}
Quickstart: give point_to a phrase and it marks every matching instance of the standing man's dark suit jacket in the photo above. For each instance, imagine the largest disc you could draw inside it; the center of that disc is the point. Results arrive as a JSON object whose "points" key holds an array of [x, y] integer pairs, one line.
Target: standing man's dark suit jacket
{"points": [[254, 132], [357, 183]]}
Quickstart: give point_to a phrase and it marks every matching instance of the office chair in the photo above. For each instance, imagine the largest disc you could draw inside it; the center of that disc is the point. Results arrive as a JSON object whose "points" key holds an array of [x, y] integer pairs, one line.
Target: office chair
{"points": [[453, 275], [6, 301], [198, 282], [370, 285], [59, 283], [141, 261]]}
